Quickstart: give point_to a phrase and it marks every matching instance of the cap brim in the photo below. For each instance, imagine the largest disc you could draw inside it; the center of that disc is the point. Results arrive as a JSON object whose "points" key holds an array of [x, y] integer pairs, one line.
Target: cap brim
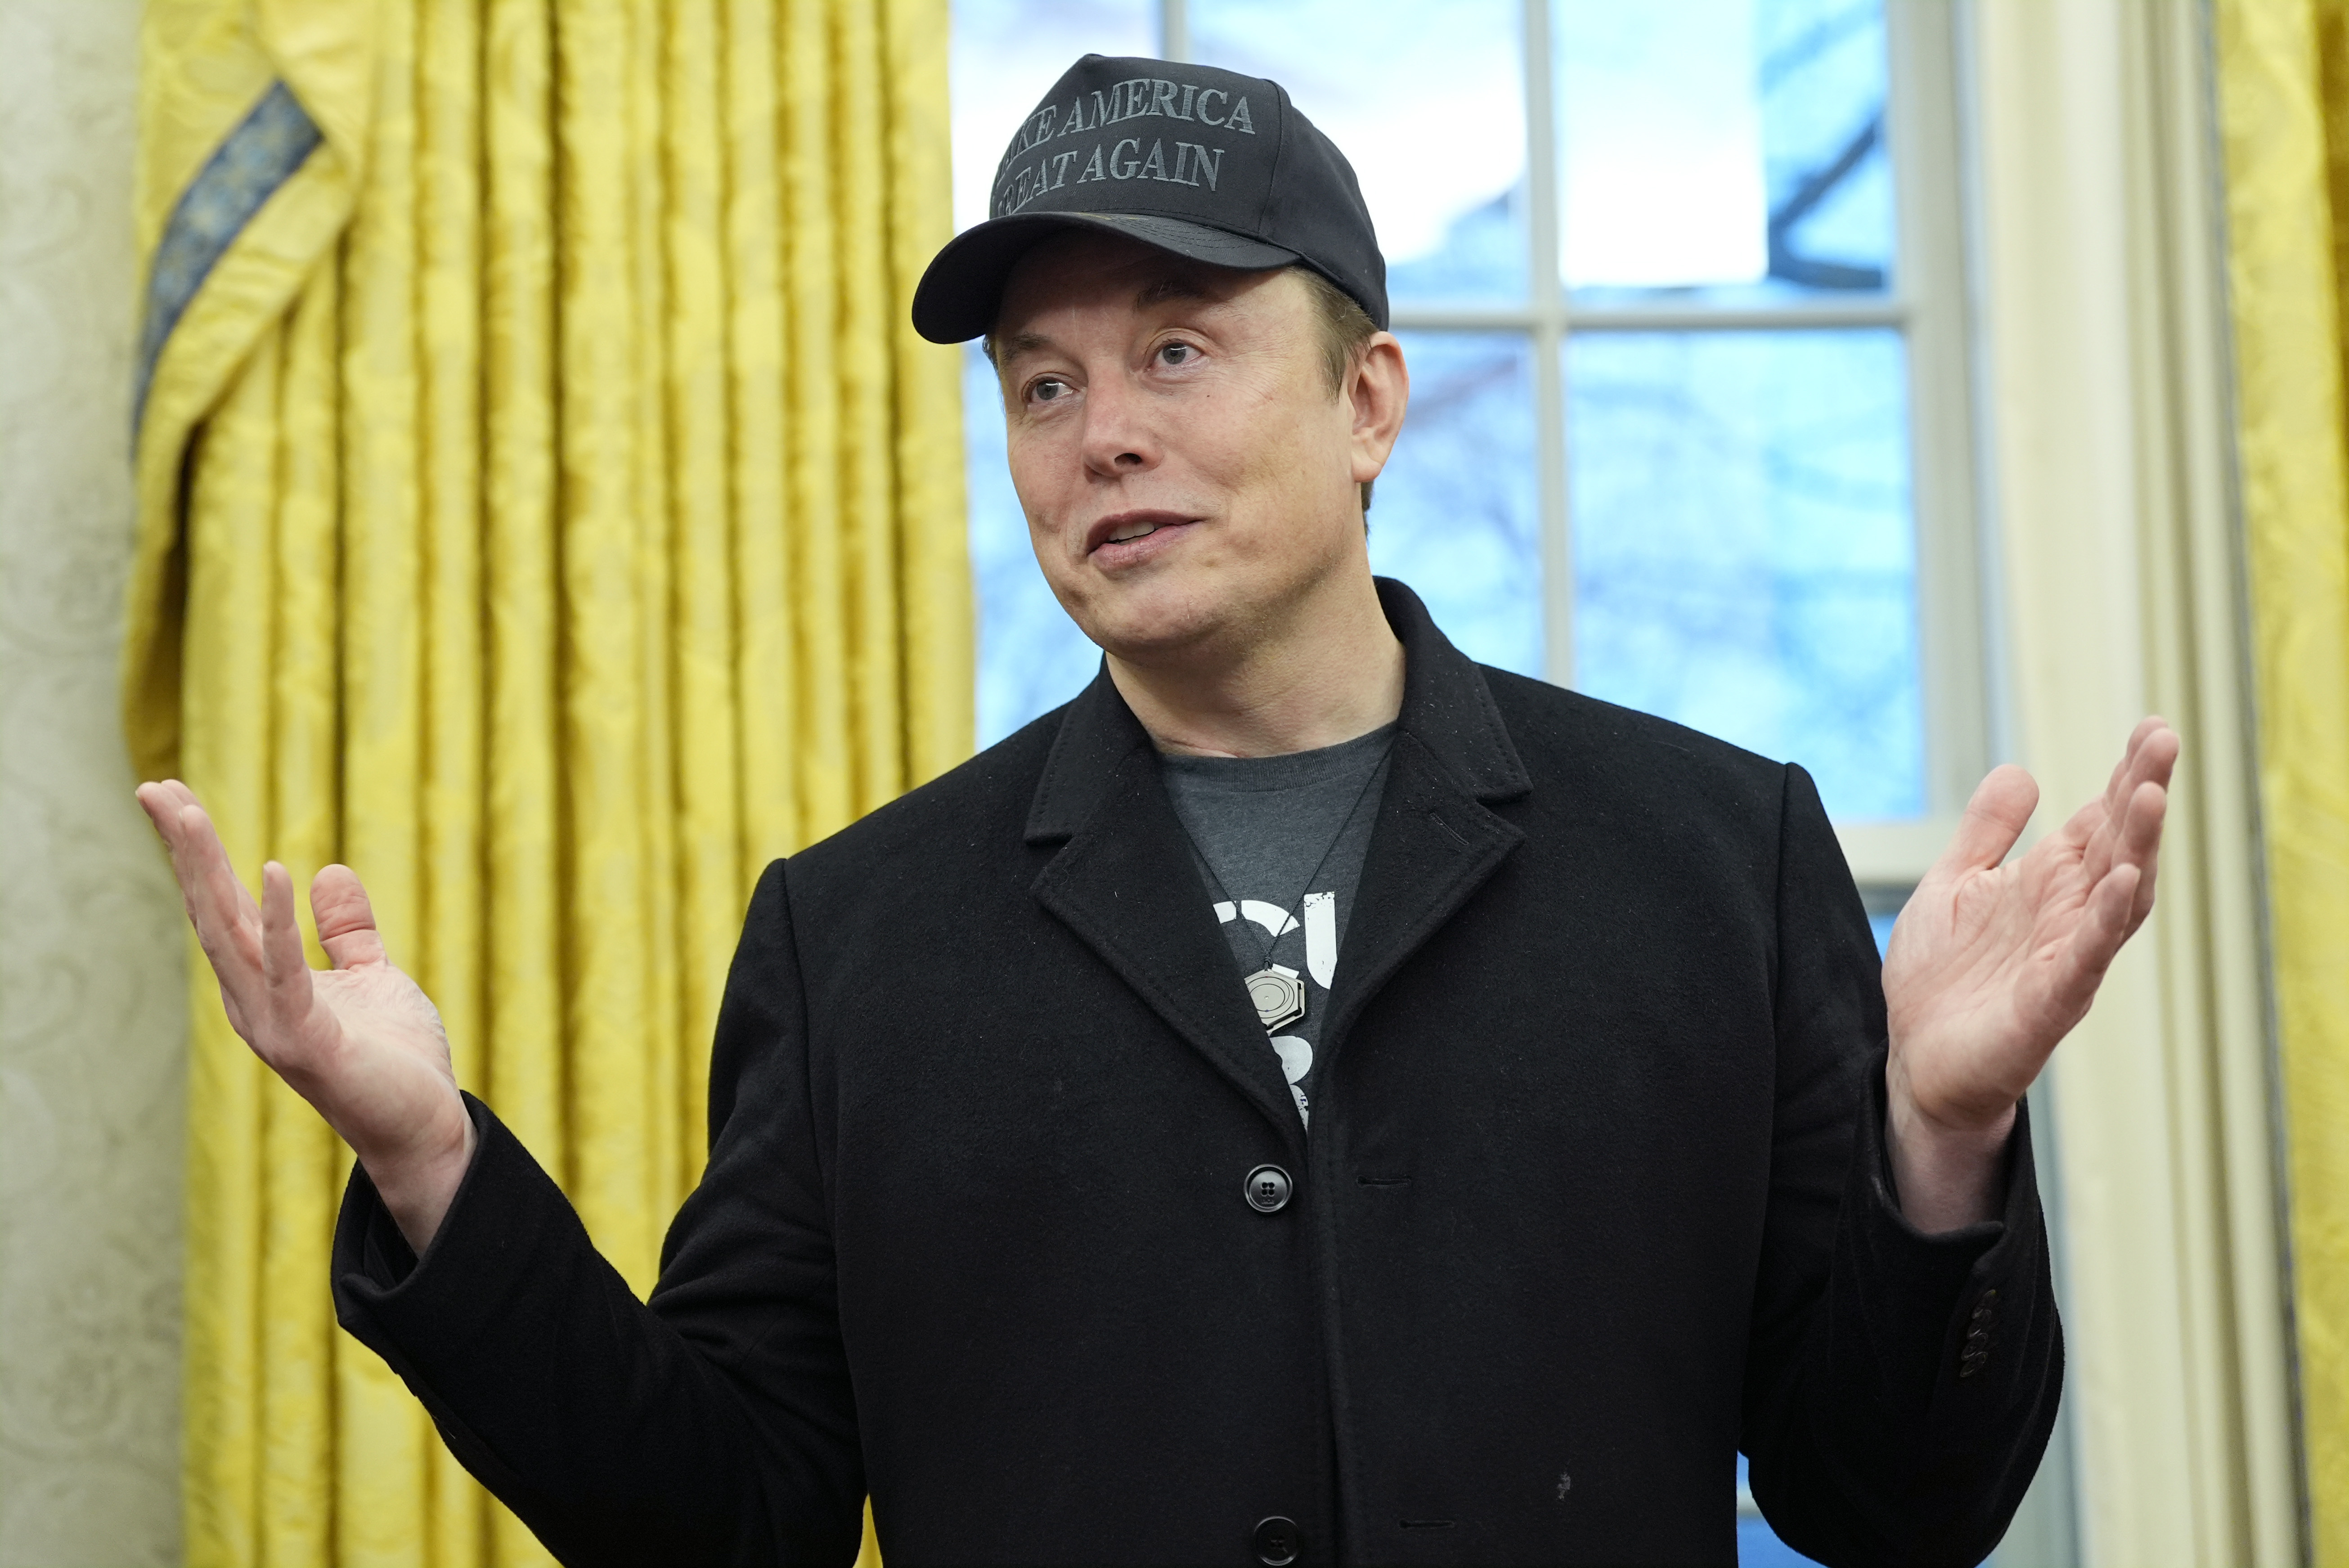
{"points": [[957, 296]]}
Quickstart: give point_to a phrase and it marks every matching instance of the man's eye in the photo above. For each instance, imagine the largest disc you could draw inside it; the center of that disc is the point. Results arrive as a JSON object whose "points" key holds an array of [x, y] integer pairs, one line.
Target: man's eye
{"points": [[1051, 389], [1177, 353]]}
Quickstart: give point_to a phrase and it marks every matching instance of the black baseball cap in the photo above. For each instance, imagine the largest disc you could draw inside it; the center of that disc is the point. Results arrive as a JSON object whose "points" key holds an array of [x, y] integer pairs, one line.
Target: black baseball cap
{"points": [[1206, 164]]}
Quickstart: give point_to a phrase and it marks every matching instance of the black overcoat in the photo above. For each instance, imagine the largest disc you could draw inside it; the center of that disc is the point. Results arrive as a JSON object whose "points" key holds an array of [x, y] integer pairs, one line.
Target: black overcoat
{"points": [[1594, 1196]]}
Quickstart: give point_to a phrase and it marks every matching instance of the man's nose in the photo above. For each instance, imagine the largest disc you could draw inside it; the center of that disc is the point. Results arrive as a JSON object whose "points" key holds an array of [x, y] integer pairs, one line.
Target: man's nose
{"points": [[1118, 439]]}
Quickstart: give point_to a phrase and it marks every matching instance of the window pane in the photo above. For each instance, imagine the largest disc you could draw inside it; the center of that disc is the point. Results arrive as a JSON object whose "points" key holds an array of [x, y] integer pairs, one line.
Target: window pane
{"points": [[1758, 1546], [1005, 53], [1661, 143], [1032, 656], [1454, 515], [1744, 558], [1431, 115], [1729, 147]]}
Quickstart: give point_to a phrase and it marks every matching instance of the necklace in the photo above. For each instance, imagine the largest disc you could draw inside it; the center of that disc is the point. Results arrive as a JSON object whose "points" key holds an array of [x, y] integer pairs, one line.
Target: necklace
{"points": [[1277, 993]]}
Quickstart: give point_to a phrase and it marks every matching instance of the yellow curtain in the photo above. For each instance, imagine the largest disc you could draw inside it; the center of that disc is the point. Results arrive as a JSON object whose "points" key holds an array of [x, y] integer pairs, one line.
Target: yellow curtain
{"points": [[545, 508], [2283, 71]]}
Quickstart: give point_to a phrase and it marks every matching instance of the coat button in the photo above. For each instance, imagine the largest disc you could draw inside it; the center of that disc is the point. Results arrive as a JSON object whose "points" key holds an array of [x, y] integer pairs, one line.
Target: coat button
{"points": [[1268, 1193], [1275, 1538]]}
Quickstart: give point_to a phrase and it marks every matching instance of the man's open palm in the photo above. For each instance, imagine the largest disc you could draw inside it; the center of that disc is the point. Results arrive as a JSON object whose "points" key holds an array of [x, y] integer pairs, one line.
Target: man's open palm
{"points": [[360, 1042], [1990, 964]]}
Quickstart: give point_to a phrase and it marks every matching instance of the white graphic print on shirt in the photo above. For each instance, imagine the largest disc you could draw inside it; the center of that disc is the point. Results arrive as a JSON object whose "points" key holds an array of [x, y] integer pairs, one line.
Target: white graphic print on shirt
{"points": [[1294, 831], [1320, 910]]}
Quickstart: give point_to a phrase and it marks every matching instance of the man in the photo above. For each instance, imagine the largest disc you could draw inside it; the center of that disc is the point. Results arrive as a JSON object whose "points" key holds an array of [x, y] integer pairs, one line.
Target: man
{"points": [[1310, 1099]]}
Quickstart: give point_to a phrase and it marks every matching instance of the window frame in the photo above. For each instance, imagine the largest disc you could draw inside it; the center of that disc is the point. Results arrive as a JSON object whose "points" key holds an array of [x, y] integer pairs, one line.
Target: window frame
{"points": [[1928, 305]]}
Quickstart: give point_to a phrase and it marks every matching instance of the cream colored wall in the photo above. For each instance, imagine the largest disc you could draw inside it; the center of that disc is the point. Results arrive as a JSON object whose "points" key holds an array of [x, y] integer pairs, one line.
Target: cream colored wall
{"points": [[91, 1014]]}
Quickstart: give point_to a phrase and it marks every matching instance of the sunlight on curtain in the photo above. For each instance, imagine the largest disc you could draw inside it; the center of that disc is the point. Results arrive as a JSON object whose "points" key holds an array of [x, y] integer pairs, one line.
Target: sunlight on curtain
{"points": [[2283, 67], [543, 510]]}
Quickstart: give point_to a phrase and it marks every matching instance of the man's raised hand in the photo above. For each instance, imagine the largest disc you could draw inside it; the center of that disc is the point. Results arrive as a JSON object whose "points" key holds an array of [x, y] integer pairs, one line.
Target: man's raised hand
{"points": [[359, 1042], [1990, 964]]}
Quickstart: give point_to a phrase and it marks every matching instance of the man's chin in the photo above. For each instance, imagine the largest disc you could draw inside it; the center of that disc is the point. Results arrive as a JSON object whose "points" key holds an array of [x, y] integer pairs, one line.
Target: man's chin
{"points": [[1150, 623]]}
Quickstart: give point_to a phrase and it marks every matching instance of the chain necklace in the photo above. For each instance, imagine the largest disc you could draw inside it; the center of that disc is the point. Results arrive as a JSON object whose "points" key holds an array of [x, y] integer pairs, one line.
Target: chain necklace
{"points": [[1277, 993]]}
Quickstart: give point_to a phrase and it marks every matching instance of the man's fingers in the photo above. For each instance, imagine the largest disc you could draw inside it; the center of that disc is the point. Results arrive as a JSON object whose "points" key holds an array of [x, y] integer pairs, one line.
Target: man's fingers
{"points": [[2140, 844], [2115, 788], [2106, 927], [2152, 756], [2149, 758], [283, 965], [227, 921], [346, 920], [160, 809], [219, 904], [2100, 825], [162, 803], [2083, 826], [284, 970], [2096, 940], [159, 796], [2129, 829], [2126, 770], [1994, 818], [2095, 824], [186, 831]]}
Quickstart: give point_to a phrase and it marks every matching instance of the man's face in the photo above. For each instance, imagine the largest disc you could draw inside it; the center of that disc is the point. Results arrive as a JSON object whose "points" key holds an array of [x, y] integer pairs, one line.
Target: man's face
{"points": [[1188, 476]]}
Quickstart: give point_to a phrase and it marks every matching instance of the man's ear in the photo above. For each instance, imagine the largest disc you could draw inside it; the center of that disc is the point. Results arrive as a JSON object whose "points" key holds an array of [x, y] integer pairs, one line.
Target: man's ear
{"points": [[1377, 390]]}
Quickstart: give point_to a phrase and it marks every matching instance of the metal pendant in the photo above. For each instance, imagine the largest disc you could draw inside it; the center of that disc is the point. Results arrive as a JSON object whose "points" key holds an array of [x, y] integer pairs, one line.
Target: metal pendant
{"points": [[1279, 995]]}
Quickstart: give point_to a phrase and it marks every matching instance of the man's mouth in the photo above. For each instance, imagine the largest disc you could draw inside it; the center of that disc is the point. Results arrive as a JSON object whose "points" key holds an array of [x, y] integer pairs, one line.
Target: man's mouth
{"points": [[1119, 537]]}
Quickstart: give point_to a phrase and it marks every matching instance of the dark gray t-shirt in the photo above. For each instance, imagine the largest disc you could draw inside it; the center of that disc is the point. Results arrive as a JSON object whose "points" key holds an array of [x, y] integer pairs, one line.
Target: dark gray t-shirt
{"points": [[1281, 842]]}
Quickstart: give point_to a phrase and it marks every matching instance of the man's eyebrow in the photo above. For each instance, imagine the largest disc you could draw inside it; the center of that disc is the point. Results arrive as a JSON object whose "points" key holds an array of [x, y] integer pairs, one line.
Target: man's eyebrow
{"points": [[1174, 286], [1019, 343]]}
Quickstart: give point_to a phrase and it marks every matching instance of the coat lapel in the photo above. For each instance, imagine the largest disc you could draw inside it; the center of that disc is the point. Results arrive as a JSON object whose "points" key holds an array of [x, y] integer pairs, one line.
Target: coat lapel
{"points": [[1435, 844], [1436, 841], [1124, 881], [1126, 885]]}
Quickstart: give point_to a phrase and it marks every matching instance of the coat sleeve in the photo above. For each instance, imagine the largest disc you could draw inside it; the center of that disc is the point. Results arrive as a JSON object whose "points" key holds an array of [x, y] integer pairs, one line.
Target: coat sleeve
{"points": [[1899, 1387], [715, 1425]]}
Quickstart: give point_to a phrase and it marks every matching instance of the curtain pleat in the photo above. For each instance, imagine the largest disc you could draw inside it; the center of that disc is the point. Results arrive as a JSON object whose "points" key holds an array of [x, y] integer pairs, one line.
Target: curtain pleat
{"points": [[301, 1160], [765, 653], [521, 861], [707, 813], [546, 510], [452, 932], [227, 661], [2284, 75], [935, 608], [811, 371]]}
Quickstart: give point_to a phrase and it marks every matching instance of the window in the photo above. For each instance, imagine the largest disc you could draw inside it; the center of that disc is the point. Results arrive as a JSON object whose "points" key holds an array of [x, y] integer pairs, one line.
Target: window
{"points": [[1684, 317], [1681, 291]]}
